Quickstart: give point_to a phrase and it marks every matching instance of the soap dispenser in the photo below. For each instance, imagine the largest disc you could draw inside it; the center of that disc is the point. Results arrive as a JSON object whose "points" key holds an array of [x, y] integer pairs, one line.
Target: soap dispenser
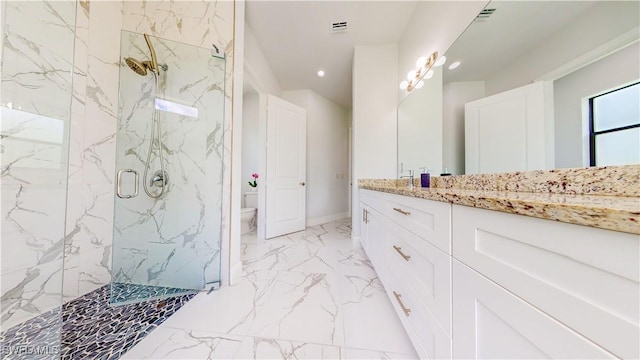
{"points": [[425, 178]]}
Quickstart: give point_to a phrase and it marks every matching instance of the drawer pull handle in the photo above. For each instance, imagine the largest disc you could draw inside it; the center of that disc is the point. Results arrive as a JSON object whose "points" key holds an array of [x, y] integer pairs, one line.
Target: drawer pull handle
{"points": [[402, 211], [399, 250], [406, 311]]}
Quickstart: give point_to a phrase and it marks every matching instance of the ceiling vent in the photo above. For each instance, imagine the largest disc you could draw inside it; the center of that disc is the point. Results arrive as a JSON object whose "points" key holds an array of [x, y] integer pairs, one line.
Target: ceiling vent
{"points": [[484, 14], [340, 26]]}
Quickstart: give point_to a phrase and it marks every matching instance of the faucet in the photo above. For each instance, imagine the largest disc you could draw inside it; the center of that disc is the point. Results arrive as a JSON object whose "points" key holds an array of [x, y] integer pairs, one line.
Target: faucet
{"points": [[410, 176]]}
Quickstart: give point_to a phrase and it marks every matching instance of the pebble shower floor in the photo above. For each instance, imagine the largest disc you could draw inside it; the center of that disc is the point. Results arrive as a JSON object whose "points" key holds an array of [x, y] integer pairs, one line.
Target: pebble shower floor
{"points": [[89, 328]]}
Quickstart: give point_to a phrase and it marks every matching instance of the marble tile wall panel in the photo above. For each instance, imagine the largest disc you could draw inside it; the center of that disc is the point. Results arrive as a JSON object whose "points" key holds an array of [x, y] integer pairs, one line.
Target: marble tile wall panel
{"points": [[75, 188], [92, 158], [37, 59], [200, 23]]}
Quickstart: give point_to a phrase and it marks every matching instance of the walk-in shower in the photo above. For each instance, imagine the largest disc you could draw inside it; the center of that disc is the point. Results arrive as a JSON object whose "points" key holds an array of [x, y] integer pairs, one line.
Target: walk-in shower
{"points": [[170, 130]]}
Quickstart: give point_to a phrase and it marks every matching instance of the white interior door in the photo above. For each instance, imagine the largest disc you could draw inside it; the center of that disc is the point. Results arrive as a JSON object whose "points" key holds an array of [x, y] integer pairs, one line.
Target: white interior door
{"points": [[286, 167], [510, 131]]}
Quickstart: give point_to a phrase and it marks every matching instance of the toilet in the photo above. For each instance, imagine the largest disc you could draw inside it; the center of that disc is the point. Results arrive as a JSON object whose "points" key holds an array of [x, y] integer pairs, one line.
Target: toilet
{"points": [[248, 214]]}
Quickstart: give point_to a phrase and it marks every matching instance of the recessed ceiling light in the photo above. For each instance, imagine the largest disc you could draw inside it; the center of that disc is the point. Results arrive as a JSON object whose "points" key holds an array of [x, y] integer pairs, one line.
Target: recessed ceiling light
{"points": [[454, 65], [320, 73]]}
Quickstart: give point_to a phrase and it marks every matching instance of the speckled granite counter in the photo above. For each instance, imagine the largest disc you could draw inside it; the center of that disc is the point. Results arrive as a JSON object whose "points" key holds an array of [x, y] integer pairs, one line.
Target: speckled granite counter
{"points": [[615, 211]]}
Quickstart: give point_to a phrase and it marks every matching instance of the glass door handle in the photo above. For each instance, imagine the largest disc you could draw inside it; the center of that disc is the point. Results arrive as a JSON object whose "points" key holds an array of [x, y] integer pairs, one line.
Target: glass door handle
{"points": [[119, 184]]}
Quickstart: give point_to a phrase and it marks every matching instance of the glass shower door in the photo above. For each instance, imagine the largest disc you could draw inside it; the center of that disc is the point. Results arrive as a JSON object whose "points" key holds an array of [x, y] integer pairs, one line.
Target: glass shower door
{"points": [[167, 220]]}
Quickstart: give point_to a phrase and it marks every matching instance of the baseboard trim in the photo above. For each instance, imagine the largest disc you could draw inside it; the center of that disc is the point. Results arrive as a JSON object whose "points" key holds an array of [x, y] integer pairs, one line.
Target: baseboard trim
{"points": [[325, 219], [236, 273]]}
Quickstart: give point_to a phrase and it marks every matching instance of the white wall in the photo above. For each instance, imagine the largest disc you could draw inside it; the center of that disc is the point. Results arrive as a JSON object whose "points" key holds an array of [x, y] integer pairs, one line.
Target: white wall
{"points": [[374, 115], [571, 93], [257, 67], [455, 95], [590, 29], [251, 150]]}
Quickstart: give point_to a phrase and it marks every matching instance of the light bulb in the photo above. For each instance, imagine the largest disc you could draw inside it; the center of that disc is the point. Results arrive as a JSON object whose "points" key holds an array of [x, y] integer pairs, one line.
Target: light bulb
{"points": [[320, 73], [454, 65], [429, 74], [441, 60], [411, 74], [420, 84], [403, 85], [421, 61]]}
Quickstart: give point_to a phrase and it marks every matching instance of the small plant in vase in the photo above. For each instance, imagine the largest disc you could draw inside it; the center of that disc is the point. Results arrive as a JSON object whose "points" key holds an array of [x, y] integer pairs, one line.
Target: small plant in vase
{"points": [[254, 183]]}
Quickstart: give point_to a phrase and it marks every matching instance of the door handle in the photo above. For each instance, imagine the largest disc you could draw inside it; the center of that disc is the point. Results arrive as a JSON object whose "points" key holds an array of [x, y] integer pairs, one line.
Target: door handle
{"points": [[303, 183], [119, 184]]}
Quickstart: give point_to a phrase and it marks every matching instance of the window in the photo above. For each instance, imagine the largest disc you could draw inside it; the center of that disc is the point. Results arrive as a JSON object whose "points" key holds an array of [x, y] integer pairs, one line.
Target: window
{"points": [[614, 127]]}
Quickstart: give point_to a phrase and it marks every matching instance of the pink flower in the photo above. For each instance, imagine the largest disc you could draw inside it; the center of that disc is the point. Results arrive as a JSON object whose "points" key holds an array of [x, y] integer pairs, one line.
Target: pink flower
{"points": [[255, 175]]}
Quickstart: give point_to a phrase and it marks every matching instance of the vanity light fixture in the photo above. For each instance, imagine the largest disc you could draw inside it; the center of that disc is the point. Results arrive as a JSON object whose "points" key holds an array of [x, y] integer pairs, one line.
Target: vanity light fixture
{"points": [[428, 75], [320, 73], [441, 60], [414, 77], [454, 65]]}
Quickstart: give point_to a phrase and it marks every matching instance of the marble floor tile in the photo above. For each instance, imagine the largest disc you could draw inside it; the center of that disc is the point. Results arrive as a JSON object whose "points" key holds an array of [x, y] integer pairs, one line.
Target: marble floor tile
{"points": [[348, 353], [261, 348], [307, 295], [168, 343], [303, 307], [230, 310]]}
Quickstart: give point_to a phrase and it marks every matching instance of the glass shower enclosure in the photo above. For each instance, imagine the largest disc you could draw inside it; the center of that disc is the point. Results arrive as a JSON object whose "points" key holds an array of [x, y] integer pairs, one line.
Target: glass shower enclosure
{"points": [[169, 164]]}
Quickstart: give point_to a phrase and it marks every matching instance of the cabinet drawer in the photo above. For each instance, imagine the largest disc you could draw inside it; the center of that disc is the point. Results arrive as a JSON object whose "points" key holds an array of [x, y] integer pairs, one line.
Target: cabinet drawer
{"points": [[374, 199], [426, 268], [491, 323], [429, 339], [584, 277], [431, 220]]}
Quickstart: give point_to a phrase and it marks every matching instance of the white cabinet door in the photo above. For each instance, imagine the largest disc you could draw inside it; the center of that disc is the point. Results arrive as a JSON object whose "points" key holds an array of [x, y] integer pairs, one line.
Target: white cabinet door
{"points": [[376, 233], [586, 278], [510, 131], [491, 323]]}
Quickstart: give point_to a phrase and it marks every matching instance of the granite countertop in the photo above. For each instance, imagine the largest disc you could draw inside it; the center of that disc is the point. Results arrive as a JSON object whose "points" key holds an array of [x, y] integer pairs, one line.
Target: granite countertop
{"points": [[619, 213]]}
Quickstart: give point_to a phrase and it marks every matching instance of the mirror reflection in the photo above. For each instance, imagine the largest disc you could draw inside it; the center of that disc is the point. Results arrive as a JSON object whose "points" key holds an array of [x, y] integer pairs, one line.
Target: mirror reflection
{"points": [[528, 97]]}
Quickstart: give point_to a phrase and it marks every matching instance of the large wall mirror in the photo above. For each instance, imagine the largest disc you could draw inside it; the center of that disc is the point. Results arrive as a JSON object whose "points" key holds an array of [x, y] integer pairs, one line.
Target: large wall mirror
{"points": [[538, 85]]}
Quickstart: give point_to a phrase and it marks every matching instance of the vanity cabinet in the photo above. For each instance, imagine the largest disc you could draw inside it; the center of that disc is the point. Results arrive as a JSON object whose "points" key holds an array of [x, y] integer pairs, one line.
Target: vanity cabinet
{"points": [[492, 323], [585, 278], [407, 241], [475, 283]]}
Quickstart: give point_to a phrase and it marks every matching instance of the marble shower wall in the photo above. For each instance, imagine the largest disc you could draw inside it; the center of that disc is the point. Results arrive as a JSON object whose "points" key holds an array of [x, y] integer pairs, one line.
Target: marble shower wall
{"points": [[88, 244], [89, 225], [173, 241], [201, 23], [37, 61]]}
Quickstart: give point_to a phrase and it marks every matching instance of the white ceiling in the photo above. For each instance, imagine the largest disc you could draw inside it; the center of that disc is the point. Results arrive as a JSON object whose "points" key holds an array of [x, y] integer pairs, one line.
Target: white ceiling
{"points": [[296, 39], [514, 29]]}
